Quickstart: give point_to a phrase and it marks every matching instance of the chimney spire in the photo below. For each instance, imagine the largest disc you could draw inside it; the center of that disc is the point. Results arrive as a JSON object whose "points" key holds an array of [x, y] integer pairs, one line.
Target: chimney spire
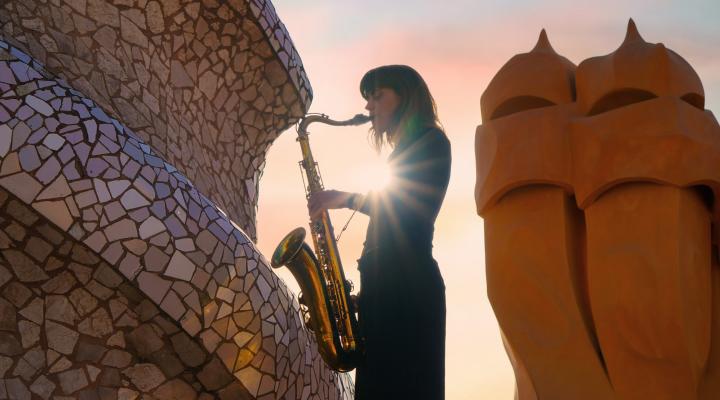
{"points": [[543, 43], [632, 34]]}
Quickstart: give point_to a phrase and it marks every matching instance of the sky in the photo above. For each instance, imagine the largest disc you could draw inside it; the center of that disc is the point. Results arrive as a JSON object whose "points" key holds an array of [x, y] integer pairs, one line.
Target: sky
{"points": [[457, 46]]}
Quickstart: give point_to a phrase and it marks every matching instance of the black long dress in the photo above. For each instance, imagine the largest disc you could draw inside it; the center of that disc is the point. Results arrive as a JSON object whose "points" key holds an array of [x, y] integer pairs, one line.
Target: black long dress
{"points": [[402, 297]]}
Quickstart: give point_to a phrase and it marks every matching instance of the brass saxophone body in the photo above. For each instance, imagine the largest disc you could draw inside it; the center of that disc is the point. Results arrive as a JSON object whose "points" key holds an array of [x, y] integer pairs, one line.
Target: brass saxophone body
{"points": [[329, 311]]}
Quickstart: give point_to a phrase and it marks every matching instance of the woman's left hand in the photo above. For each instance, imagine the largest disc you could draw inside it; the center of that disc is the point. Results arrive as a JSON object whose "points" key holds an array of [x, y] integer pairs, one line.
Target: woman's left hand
{"points": [[327, 199]]}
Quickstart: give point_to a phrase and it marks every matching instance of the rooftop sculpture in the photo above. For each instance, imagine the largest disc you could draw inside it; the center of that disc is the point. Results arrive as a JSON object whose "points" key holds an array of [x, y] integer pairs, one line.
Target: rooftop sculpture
{"points": [[598, 187]]}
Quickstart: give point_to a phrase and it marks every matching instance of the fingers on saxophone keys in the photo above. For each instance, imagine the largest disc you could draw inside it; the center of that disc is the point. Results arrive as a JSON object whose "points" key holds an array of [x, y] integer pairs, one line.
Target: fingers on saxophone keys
{"points": [[315, 210], [314, 198], [316, 204], [312, 204]]}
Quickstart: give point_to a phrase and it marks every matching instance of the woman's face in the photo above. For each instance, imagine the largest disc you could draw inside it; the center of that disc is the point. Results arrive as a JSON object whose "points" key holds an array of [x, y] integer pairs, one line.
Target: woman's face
{"points": [[382, 105]]}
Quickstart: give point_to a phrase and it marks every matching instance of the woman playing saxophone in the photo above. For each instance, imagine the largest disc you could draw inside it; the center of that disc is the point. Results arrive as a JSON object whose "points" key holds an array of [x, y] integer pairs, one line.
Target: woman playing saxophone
{"points": [[402, 298]]}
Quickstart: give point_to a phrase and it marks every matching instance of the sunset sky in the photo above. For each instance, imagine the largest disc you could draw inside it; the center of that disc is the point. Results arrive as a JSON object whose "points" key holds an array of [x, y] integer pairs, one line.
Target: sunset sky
{"points": [[457, 45]]}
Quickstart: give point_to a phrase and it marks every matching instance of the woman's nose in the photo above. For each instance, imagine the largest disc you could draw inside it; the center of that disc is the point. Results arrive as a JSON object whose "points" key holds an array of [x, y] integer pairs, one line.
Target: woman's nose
{"points": [[368, 106]]}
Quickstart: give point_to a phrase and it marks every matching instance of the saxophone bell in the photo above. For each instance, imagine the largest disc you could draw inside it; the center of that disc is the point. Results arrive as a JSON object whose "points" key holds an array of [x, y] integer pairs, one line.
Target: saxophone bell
{"points": [[288, 247]]}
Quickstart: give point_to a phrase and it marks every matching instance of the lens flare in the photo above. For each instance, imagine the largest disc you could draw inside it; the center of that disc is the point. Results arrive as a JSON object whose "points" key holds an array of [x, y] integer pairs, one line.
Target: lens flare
{"points": [[375, 176]]}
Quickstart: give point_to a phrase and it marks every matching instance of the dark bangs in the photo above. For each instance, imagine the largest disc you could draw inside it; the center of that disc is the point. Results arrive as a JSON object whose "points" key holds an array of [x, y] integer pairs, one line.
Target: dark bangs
{"points": [[388, 76]]}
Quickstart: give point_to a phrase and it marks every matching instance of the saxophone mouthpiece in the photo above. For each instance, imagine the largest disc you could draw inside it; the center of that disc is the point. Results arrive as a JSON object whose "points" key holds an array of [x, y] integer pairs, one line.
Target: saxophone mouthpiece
{"points": [[360, 119]]}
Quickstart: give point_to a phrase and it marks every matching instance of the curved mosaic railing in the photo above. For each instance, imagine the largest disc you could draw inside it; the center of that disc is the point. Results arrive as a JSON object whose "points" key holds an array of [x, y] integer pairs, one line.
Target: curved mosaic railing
{"points": [[149, 240]]}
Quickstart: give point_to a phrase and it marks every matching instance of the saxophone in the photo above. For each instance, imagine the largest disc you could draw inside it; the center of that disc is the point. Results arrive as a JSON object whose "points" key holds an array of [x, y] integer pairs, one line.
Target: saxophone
{"points": [[325, 297]]}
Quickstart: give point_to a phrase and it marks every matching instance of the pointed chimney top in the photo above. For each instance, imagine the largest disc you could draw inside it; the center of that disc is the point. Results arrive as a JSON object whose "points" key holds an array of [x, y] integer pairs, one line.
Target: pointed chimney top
{"points": [[543, 43], [632, 34]]}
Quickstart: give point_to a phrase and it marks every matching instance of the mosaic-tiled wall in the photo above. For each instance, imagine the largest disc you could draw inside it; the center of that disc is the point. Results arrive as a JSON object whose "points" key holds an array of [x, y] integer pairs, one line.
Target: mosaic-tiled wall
{"points": [[208, 84], [120, 277], [71, 326]]}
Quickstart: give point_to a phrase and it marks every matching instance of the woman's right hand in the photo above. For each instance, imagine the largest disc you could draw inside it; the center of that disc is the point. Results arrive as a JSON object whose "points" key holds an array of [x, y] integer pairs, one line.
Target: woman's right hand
{"points": [[325, 200]]}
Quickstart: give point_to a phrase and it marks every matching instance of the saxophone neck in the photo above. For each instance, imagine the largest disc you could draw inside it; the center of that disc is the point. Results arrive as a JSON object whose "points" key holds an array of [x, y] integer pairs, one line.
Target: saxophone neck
{"points": [[308, 119]]}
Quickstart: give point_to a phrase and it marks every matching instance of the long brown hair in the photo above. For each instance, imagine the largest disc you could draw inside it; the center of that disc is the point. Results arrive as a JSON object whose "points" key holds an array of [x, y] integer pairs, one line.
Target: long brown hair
{"points": [[416, 111]]}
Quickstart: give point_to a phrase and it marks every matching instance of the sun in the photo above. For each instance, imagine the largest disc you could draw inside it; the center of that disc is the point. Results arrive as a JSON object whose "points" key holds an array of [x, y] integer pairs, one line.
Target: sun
{"points": [[381, 177]]}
